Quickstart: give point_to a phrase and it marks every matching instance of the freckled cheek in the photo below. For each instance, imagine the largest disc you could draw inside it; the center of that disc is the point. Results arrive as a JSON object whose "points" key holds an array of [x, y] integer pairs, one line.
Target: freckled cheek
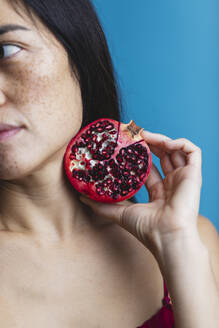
{"points": [[31, 89], [49, 101]]}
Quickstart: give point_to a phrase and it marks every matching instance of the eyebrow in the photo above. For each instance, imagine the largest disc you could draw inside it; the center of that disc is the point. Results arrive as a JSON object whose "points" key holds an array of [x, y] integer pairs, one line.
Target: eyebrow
{"points": [[8, 28]]}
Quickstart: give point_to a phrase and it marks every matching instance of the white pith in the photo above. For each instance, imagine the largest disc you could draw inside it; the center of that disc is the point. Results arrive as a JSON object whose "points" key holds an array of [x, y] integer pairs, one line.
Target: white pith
{"points": [[83, 161], [84, 153]]}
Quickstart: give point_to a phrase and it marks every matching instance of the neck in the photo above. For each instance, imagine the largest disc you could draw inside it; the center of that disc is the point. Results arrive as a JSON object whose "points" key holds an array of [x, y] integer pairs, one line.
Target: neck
{"points": [[45, 204]]}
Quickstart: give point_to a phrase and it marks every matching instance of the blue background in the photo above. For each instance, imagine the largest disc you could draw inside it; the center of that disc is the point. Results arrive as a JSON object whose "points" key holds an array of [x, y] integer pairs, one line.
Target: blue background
{"points": [[165, 53]]}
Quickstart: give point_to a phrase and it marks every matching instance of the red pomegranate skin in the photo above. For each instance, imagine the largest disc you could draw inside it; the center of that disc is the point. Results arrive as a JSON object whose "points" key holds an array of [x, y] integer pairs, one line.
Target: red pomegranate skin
{"points": [[108, 161]]}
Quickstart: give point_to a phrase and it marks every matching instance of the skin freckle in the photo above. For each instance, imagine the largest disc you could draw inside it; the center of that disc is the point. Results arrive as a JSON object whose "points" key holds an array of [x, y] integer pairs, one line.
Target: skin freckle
{"points": [[48, 97]]}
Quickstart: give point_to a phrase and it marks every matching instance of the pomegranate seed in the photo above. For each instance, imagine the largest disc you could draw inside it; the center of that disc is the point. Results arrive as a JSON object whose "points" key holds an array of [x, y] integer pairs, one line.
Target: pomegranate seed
{"points": [[113, 132], [109, 127], [123, 151], [119, 158], [109, 173], [115, 195], [142, 176]]}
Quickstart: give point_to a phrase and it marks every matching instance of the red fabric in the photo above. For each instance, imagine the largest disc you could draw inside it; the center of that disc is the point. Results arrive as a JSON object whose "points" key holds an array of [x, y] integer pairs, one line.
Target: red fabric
{"points": [[164, 317]]}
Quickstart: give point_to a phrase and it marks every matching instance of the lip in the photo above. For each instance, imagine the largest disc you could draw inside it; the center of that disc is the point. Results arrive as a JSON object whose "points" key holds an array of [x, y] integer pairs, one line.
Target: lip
{"points": [[7, 127], [6, 134]]}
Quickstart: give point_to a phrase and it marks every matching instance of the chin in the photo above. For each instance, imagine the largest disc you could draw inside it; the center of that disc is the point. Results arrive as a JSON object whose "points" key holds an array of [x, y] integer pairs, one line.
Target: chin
{"points": [[15, 169]]}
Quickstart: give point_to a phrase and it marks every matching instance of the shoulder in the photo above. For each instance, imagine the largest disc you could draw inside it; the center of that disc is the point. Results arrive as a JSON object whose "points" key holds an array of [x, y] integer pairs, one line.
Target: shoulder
{"points": [[210, 238], [208, 232]]}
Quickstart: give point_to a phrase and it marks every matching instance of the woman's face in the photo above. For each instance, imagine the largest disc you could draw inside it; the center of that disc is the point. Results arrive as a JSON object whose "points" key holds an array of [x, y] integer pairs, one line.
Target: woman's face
{"points": [[37, 91]]}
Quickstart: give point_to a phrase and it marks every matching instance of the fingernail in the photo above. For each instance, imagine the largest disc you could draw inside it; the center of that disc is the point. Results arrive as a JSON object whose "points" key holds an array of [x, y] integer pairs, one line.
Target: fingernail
{"points": [[146, 131]]}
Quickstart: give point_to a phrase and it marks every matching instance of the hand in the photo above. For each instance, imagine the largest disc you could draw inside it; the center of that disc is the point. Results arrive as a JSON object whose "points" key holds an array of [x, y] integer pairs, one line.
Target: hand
{"points": [[173, 201]]}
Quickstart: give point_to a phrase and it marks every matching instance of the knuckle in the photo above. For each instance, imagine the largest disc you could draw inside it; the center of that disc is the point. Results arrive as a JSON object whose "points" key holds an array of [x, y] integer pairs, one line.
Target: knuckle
{"points": [[122, 216], [182, 140], [164, 136]]}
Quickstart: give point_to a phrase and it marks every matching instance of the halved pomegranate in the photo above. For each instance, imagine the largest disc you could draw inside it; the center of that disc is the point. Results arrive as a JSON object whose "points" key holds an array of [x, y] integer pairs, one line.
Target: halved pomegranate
{"points": [[107, 160]]}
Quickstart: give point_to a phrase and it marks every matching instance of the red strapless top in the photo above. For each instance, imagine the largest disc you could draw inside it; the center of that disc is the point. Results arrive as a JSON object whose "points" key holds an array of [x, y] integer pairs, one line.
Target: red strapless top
{"points": [[164, 317]]}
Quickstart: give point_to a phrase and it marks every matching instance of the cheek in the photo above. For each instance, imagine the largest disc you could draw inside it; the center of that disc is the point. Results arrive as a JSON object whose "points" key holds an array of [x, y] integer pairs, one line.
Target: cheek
{"points": [[49, 99], [31, 86]]}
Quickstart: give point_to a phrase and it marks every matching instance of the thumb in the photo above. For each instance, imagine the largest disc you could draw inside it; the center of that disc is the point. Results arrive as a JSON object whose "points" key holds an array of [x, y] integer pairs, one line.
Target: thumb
{"points": [[116, 212]]}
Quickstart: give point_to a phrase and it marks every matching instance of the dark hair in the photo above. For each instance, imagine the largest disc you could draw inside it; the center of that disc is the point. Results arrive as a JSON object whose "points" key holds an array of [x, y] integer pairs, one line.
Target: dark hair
{"points": [[76, 25]]}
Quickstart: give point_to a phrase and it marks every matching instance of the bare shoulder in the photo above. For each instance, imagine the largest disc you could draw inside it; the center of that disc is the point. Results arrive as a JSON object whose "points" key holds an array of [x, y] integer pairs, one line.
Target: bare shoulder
{"points": [[203, 220], [210, 238], [208, 232], [126, 271]]}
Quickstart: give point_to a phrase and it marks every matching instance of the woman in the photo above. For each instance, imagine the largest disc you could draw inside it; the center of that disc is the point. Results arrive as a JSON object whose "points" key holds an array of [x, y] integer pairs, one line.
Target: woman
{"points": [[67, 261]]}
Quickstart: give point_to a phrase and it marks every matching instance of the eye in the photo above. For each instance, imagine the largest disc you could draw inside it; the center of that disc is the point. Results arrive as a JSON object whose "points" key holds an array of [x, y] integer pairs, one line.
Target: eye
{"points": [[6, 50]]}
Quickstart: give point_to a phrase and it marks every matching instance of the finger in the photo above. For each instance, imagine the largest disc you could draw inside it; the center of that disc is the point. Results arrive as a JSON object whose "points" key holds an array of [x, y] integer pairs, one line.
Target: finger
{"points": [[154, 183], [114, 212], [162, 143], [153, 136], [155, 141], [178, 159], [156, 151], [192, 152], [166, 164], [171, 161], [165, 160], [110, 211]]}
